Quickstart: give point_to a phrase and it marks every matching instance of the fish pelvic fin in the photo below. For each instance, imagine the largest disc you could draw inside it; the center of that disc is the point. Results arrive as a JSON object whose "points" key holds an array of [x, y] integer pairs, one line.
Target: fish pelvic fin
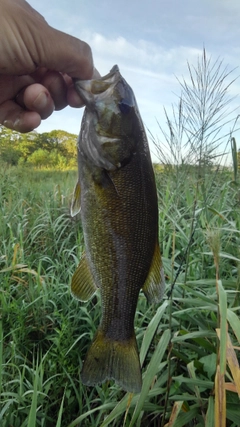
{"points": [[155, 283], [83, 286], [76, 204], [118, 360]]}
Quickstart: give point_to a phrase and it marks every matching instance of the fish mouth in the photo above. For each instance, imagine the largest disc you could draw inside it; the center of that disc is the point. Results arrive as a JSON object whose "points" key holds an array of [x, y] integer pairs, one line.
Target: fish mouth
{"points": [[100, 88], [101, 137]]}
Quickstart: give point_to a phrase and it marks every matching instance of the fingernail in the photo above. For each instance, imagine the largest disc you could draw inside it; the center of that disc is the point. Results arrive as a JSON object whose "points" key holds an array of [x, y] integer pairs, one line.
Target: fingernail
{"points": [[8, 124], [12, 125], [16, 124], [41, 101]]}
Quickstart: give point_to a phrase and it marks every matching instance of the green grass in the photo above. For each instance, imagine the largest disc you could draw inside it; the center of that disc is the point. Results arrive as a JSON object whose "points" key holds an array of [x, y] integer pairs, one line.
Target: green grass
{"points": [[45, 332]]}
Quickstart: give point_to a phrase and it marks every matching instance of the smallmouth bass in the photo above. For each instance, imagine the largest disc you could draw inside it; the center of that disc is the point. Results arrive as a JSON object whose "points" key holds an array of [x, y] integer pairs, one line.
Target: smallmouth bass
{"points": [[116, 193]]}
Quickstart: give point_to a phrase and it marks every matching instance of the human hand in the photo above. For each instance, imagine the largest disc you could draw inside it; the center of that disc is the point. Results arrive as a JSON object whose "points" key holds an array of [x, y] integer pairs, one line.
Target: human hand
{"points": [[37, 64]]}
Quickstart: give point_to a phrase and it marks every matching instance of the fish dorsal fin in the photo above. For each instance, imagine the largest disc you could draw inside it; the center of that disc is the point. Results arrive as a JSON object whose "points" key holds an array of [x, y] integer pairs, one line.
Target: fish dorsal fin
{"points": [[76, 202], [82, 285], [155, 283]]}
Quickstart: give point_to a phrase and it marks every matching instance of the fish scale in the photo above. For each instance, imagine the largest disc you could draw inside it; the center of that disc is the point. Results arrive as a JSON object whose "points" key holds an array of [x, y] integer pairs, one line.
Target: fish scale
{"points": [[117, 194]]}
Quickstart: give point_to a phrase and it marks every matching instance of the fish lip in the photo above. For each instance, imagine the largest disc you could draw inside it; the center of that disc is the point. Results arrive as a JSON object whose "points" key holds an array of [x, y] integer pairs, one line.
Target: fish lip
{"points": [[84, 88], [112, 72]]}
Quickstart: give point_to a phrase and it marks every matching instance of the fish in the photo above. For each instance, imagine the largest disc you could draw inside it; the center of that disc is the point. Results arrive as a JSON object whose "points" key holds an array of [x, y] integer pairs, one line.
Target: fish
{"points": [[117, 199]]}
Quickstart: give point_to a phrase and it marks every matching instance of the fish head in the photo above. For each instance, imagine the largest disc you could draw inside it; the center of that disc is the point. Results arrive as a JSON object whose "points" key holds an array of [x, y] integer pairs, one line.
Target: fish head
{"points": [[107, 137]]}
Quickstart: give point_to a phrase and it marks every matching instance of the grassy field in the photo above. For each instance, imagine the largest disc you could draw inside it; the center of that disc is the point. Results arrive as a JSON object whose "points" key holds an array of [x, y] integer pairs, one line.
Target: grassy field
{"points": [[191, 375]]}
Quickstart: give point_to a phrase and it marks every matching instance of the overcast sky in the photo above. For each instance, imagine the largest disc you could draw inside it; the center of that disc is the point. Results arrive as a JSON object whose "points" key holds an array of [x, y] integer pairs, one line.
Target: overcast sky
{"points": [[151, 41]]}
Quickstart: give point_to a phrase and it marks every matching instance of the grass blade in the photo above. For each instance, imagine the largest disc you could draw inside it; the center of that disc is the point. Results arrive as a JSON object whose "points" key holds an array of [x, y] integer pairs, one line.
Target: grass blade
{"points": [[102, 408], [151, 371], [59, 420], [151, 330], [210, 413], [1, 355], [233, 365], [234, 322], [223, 327], [220, 399], [174, 414], [33, 410]]}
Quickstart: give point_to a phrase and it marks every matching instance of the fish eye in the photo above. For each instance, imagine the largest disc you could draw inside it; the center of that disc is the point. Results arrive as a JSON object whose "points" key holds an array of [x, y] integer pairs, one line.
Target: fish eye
{"points": [[124, 107]]}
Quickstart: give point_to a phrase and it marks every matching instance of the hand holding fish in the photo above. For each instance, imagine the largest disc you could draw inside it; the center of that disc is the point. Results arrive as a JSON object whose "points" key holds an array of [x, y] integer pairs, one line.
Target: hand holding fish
{"points": [[37, 65]]}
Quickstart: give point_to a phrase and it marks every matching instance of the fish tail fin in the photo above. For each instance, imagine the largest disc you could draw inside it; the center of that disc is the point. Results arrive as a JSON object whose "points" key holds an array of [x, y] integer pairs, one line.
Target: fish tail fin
{"points": [[108, 359]]}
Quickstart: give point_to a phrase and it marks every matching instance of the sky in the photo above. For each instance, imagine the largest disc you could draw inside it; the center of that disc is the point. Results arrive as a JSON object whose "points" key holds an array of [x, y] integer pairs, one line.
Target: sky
{"points": [[151, 41]]}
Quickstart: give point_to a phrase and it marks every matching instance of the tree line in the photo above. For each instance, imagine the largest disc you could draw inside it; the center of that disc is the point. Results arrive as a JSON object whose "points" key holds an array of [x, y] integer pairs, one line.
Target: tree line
{"points": [[55, 149]]}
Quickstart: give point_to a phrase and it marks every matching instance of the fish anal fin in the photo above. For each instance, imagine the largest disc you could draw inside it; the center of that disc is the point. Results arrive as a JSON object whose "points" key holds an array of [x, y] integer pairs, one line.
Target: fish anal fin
{"points": [[155, 283], [82, 285], [76, 202], [118, 360]]}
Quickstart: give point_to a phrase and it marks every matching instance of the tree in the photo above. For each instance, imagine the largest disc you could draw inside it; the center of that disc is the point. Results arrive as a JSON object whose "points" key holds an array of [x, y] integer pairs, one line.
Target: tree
{"points": [[58, 148], [39, 158], [43, 159]]}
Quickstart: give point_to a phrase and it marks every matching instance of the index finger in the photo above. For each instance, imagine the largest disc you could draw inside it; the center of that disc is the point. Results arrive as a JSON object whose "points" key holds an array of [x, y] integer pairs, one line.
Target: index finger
{"points": [[73, 98]]}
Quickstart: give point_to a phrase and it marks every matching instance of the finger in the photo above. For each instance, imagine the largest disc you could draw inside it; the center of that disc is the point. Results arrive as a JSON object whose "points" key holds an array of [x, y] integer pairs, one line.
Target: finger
{"points": [[10, 86], [37, 98], [73, 98], [66, 54], [14, 117], [57, 87], [55, 82], [96, 74]]}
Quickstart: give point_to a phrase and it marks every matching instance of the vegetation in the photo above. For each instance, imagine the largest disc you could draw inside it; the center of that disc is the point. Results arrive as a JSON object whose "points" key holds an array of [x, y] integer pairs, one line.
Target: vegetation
{"points": [[55, 149], [189, 344]]}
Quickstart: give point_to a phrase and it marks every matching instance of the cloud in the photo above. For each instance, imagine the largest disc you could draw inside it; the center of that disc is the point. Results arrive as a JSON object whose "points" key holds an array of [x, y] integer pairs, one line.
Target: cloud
{"points": [[152, 49], [140, 54], [149, 68]]}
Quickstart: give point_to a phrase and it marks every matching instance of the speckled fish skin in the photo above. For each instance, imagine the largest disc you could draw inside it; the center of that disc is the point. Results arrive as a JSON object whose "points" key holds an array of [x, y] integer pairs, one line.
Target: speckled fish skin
{"points": [[119, 212]]}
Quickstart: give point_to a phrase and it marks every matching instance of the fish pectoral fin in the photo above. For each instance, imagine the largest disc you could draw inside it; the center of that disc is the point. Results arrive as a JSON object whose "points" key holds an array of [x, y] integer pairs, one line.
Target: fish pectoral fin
{"points": [[82, 285], [76, 200], [118, 360], [155, 283]]}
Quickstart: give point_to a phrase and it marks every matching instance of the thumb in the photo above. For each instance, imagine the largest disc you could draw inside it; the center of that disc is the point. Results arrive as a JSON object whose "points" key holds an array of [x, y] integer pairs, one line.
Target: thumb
{"points": [[61, 52], [28, 42]]}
